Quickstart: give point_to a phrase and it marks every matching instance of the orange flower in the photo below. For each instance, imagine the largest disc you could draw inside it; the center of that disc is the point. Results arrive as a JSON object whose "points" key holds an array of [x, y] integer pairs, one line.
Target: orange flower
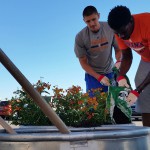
{"points": [[83, 109], [95, 107], [80, 102]]}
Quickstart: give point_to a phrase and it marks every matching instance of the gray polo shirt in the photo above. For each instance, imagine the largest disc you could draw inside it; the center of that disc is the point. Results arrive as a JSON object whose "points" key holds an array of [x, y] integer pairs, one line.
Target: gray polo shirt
{"points": [[97, 47]]}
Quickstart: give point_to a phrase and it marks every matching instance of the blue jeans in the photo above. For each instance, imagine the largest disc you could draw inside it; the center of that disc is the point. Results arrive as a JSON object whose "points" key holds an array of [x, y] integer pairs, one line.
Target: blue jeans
{"points": [[92, 83]]}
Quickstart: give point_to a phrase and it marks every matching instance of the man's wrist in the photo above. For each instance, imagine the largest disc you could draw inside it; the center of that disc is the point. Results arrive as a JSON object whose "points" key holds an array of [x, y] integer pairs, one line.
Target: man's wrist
{"points": [[100, 77], [136, 93], [137, 90], [118, 61], [120, 78]]}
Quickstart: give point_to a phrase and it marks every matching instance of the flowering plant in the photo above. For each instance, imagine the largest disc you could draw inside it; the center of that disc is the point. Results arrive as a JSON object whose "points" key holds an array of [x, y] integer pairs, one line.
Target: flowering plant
{"points": [[74, 107], [25, 111]]}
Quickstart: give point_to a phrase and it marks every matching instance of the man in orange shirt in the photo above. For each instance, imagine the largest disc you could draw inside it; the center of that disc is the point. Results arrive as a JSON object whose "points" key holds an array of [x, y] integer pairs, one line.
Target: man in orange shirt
{"points": [[133, 32]]}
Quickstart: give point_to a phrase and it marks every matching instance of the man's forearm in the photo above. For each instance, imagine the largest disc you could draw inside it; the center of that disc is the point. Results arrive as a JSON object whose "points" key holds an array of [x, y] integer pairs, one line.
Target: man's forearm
{"points": [[118, 54], [90, 71], [126, 62], [88, 68]]}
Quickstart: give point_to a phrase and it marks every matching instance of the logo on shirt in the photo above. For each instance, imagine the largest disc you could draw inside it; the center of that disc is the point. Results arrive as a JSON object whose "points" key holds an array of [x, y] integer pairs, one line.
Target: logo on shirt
{"points": [[138, 46], [99, 44]]}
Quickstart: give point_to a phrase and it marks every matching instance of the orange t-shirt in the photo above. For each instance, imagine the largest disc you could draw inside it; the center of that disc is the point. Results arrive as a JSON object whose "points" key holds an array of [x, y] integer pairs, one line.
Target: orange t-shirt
{"points": [[140, 38]]}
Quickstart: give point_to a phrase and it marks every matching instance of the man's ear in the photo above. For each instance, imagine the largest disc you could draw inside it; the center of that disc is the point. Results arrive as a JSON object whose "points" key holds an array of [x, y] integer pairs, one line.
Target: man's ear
{"points": [[131, 20], [98, 15]]}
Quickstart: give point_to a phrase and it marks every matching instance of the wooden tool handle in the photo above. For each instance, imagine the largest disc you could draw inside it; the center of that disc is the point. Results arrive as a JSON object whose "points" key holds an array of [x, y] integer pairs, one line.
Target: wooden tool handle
{"points": [[6, 126], [47, 110]]}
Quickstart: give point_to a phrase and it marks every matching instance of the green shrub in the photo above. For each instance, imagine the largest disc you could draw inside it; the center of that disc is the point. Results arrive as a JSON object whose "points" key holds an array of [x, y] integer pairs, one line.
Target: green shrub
{"points": [[74, 107]]}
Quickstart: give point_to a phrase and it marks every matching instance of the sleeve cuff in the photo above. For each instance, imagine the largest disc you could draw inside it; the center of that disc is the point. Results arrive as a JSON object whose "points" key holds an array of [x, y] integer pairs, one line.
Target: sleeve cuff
{"points": [[135, 93], [118, 61], [120, 78], [100, 78]]}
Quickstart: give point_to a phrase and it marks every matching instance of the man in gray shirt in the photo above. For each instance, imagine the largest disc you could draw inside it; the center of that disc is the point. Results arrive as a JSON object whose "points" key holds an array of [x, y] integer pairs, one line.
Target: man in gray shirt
{"points": [[93, 48]]}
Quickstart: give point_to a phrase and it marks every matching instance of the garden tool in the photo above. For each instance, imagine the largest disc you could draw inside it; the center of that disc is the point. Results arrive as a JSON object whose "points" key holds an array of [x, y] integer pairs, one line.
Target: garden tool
{"points": [[47, 110], [6, 126]]}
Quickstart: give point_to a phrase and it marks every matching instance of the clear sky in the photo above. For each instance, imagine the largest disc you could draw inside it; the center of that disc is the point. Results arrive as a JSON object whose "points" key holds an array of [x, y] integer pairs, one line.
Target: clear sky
{"points": [[38, 36]]}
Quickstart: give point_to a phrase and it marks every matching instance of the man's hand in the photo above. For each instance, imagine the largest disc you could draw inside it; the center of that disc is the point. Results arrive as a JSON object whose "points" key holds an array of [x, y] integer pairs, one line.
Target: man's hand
{"points": [[132, 97], [117, 64], [122, 81], [104, 80]]}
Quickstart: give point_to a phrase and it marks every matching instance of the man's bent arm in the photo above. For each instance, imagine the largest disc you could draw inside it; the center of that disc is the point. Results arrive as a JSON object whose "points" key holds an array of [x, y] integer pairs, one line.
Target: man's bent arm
{"points": [[126, 61], [118, 54], [87, 67]]}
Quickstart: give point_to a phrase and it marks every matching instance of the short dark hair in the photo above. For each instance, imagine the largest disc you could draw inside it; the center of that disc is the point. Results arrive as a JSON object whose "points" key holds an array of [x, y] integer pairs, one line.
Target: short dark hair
{"points": [[89, 10], [119, 16]]}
